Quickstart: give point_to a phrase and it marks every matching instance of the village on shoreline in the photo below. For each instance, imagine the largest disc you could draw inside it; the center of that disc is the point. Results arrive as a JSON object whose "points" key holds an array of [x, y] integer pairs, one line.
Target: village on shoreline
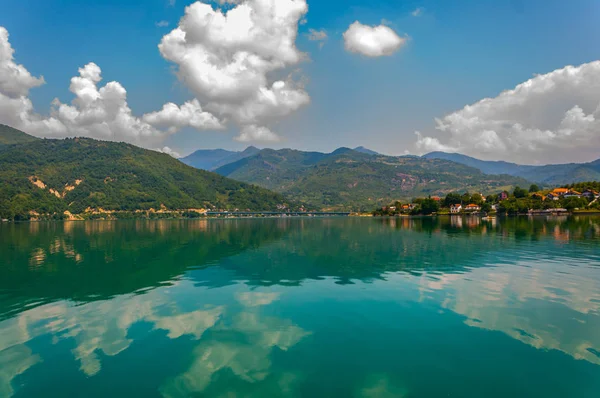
{"points": [[580, 197], [575, 198]]}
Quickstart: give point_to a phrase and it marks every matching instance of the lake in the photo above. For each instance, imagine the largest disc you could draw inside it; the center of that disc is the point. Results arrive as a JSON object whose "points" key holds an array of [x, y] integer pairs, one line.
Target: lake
{"points": [[298, 307]]}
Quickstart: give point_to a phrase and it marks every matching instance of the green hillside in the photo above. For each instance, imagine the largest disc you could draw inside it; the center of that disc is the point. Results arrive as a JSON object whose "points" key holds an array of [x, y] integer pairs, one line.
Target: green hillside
{"points": [[51, 176], [350, 180], [10, 136]]}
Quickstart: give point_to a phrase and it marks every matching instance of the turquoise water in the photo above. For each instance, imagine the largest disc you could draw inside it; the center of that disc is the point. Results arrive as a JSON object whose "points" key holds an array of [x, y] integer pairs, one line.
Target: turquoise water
{"points": [[338, 307]]}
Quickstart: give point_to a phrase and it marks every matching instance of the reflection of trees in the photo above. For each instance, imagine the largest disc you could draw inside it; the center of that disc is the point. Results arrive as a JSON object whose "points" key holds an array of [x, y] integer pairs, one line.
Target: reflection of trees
{"points": [[359, 249], [96, 260], [520, 228]]}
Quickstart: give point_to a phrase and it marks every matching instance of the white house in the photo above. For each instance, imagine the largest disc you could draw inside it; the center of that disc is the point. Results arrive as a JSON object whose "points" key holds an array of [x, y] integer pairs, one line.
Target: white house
{"points": [[572, 194], [472, 207], [590, 194], [454, 209]]}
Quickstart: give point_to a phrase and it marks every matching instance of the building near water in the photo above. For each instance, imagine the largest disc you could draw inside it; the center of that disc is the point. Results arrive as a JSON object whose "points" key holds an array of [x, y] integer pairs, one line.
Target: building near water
{"points": [[472, 207], [455, 209]]}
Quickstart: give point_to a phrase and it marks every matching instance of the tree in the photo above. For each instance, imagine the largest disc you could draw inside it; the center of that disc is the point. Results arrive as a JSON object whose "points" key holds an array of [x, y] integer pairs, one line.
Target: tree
{"points": [[574, 203], [452, 199], [533, 188], [429, 206], [519, 192]]}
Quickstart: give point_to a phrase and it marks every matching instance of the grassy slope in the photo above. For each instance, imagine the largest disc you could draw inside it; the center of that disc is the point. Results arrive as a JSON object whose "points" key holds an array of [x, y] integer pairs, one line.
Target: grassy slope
{"points": [[116, 176]]}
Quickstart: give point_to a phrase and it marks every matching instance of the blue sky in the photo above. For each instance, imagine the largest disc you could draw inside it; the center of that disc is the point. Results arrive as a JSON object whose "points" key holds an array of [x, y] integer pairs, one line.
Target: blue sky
{"points": [[456, 53]]}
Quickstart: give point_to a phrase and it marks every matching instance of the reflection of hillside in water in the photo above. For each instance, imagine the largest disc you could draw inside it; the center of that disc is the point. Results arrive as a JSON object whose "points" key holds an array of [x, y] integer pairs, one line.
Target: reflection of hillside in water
{"points": [[97, 260], [358, 249]]}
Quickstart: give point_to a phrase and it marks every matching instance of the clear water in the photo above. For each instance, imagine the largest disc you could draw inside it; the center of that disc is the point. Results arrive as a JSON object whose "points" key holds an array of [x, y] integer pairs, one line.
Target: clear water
{"points": [[339, 307]]}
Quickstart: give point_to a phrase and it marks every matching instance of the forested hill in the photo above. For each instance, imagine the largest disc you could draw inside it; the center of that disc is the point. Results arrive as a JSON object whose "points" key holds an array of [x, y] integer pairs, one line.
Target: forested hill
{"points": [[350, 180], [52, 176]]}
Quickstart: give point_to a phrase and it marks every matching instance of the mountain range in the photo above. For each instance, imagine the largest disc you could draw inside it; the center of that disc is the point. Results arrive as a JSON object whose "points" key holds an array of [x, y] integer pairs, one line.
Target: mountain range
{"points": [[550, 175], [212, 159], [47, 176], [347, 179]]}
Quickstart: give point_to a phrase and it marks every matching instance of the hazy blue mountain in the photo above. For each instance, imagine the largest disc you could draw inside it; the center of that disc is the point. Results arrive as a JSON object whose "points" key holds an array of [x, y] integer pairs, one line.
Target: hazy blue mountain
{"points": [[557, 174], [362, 149], [211, 159]]}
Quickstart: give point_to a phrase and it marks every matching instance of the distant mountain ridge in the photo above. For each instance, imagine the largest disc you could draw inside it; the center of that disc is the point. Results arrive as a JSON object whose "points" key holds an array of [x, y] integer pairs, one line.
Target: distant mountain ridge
{"points": [[211, 159], [556, 174], [362, 149], [351, 180]]}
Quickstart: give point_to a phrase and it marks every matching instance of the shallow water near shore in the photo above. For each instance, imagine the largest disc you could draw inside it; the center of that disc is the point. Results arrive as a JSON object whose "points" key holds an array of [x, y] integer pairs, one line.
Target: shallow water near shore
{"points": [[331, 307]]}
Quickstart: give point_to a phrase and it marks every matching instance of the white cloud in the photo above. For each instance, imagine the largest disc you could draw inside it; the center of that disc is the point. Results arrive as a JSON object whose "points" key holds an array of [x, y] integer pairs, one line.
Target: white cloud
{"points": [[162, 24], [372, 41], [551, 118], [172, 2], [253, 133], [15, 80], [97, 112], [318, 35], [170, 152], [190, 114], [226, 56], [418, 12]]}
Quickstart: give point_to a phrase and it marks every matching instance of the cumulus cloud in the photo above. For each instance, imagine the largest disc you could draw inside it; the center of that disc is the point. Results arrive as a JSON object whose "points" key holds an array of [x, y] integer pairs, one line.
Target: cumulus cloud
{"points": [[372, 41], [551, 118], [15, 80], [97, 112], [226, 56], [190, 114], [253, 133], [318, 35]]}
